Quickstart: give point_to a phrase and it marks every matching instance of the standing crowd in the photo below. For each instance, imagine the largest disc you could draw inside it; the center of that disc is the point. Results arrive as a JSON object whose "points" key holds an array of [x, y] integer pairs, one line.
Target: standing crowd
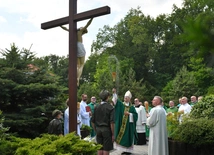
{"points": [[124, 123]]}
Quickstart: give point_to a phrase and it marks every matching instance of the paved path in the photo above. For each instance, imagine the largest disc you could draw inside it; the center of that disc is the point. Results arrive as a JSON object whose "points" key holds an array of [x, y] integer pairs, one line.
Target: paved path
{"points": [[138, 150]]}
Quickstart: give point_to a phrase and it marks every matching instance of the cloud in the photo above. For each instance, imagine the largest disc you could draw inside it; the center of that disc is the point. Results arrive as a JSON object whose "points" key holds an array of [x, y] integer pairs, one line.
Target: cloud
{"points": [[2, 20], [151, 7]]}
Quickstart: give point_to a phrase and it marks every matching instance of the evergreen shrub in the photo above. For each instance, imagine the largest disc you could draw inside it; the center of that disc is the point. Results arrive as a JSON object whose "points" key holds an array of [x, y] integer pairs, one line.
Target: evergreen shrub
{"points": [[197, 132], [86, 127], [49, 145], [2, 128]]}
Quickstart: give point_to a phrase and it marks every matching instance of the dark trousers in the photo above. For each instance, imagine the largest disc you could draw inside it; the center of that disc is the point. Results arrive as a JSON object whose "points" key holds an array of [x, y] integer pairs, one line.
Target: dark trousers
{"points": [[104, 137], [141, 139]]}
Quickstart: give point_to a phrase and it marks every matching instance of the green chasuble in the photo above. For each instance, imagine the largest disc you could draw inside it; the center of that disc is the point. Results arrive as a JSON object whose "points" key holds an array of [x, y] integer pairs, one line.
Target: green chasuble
{"points": [[125, 132], [172, 110], [92, 106]]}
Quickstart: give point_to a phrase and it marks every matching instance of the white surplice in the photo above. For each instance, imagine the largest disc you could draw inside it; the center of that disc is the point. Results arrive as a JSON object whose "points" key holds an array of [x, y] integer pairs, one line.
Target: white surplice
{"points": [[158, 140], [85, 117], [141, 121]]}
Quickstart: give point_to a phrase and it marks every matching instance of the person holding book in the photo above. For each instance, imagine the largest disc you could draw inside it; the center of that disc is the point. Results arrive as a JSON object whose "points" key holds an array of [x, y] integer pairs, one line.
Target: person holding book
{"points": [[85, 112]]}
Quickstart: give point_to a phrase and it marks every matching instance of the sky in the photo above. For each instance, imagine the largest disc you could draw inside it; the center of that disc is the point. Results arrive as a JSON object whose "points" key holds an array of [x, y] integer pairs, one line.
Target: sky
{"points": [[20, 21]]}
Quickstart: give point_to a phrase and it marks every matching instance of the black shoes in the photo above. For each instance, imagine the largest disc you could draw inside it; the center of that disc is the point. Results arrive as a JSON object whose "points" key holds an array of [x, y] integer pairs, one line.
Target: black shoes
{"points": [[125, 153]]}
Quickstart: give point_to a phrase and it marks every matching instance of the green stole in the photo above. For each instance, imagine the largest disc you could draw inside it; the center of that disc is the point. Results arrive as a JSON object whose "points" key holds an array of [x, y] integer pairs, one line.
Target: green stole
{"points": [[125, 132]]}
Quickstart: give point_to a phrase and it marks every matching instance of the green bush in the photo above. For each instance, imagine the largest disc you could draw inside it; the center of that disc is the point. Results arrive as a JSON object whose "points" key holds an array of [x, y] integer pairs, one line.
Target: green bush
{"points": [[172, 123], [9, 145], [183, 84], [210, 90], [86, 127], [48, 145], [195, 131], [197, 128], [2, 128], [204, 108]]}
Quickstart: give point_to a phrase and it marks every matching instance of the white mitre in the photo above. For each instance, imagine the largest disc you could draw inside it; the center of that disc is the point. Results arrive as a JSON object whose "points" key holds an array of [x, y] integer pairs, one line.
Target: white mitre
{"points": [[128, 94]]}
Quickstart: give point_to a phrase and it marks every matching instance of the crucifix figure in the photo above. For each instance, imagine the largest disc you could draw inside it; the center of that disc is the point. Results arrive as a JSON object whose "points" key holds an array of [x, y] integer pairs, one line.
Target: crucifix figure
{"points": [[72, 20], [80, 48]]}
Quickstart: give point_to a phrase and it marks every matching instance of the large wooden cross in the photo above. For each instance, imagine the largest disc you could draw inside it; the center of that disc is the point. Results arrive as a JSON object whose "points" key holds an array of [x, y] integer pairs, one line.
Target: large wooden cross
{"points": [[72, 20]]}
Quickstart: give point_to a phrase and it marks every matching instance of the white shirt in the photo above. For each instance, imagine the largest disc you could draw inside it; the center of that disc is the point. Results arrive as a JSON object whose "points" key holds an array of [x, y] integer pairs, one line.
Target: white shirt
{"points": [[186, 108]]}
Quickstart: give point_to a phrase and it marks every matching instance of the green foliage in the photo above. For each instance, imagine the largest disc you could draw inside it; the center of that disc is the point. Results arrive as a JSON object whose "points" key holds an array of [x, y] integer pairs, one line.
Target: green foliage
{"points": [[103, 74], [15, 58], [204, 108], [9, 145], [188, 83], [48, 145], [86, 127], [28, 93], [89, 69], [197, 128], [184, 84], [56, 65], [157, 49], [172, 123], [127, 81], [151, 54], [2, 128], [166, 91], [204, 75], [137, 88], [195, 131], [131, 51], [199, 28], [210, 90]]}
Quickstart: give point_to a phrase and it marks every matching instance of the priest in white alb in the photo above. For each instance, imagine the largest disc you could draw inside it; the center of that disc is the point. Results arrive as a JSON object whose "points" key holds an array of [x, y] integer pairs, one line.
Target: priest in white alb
{"points": [[158, 141], [85, 116]]}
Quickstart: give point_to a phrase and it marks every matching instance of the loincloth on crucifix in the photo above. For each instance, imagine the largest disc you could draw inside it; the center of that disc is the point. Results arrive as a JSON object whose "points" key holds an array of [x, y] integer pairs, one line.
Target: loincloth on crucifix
{"points": [[80, 50]]}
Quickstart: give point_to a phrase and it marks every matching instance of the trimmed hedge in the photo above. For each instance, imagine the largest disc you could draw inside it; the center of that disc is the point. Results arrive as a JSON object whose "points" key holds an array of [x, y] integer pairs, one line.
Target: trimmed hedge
{"points": [[48, 145]]}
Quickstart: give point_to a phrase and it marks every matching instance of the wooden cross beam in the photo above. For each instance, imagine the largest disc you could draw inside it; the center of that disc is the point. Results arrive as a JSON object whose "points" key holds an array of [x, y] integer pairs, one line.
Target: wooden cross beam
{"points": [[72, 20], [78, 17]]}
